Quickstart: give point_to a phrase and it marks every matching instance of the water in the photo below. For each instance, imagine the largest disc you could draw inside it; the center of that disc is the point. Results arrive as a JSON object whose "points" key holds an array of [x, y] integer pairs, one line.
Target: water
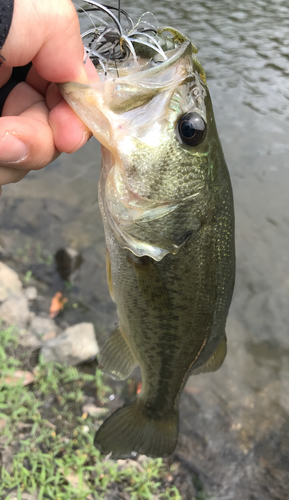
{"points": [[234, 423]]}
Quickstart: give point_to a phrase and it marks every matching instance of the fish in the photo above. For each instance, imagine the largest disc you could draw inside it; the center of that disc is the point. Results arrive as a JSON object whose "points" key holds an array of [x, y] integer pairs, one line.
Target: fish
{"points": [[167, 207]]}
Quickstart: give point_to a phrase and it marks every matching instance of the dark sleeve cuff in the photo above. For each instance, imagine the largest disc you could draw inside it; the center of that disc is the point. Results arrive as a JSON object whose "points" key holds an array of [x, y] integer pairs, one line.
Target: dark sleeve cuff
{"points": [[6, 11], [18, 75]]}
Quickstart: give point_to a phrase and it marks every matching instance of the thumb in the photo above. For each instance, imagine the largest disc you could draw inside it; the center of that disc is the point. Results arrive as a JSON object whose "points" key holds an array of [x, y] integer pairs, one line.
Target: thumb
{"points": [[47, 33]]}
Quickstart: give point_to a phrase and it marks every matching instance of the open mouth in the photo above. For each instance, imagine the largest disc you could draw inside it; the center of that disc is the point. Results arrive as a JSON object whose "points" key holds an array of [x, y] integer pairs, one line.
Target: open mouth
{"points": [[114, 42]]}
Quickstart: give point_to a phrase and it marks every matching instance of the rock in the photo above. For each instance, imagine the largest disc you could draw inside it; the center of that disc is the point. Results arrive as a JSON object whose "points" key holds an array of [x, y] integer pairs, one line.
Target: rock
{"points": [[42, 327], [9, 282], [15, 311], [48, 336], [31, 293], [28, 340], [75, 345]]}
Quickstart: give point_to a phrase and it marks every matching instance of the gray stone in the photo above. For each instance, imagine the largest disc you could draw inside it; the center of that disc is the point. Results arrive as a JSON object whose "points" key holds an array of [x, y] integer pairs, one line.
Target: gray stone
{"points": [[28, 340], [9, 282], [42, 326], [75, 345], [31, 292], [15, 311]]}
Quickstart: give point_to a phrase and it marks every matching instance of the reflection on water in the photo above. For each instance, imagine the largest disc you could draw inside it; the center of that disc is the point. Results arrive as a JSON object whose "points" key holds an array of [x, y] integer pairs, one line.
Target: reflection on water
{"points": [[235, 423]]}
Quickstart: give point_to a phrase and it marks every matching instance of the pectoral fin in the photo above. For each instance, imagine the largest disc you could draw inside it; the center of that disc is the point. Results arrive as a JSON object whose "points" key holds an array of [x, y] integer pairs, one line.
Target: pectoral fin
{"points": [[215, 361], [116, 357], [150, 283]]}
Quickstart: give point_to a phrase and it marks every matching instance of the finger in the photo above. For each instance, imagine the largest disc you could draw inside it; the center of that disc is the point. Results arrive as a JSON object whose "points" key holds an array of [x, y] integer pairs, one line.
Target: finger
{"points": [[91, 72], [26, 141], [65, 132], [70, 134], [9, 175], [53, 96], [36, 81], [61, 57], [51, 92], [21, 97], [49, 37]]}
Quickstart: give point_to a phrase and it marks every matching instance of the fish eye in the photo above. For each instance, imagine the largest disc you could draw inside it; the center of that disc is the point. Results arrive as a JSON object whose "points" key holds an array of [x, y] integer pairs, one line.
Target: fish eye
{"points": [[191, 129]]}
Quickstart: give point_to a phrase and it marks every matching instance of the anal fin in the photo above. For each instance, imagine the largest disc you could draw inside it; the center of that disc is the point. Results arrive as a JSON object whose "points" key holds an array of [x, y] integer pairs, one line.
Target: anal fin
{"points": [[215, 361], [116, 357]]}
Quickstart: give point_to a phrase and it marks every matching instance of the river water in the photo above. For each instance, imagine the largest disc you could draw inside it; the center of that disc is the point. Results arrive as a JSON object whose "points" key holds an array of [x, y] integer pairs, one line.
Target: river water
{"points": [[234, 423]]}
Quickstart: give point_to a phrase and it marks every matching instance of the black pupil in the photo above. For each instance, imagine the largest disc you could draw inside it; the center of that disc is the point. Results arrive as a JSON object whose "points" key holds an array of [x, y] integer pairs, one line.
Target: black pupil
{"points": [[187, 129], [191, 129]]}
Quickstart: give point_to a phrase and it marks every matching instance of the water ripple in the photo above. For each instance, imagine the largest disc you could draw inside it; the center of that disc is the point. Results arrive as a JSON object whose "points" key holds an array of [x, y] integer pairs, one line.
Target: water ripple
{"points": [[244, 43]]}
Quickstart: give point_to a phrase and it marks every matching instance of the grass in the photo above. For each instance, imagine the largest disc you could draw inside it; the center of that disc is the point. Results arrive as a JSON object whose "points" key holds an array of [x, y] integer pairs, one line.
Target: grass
{"points": [[33, 252], [50, 440]]}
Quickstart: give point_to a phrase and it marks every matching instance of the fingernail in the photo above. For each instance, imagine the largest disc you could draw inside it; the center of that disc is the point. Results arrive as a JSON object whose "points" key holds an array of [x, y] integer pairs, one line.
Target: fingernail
{"points": [[86, 137], [12, 149]]}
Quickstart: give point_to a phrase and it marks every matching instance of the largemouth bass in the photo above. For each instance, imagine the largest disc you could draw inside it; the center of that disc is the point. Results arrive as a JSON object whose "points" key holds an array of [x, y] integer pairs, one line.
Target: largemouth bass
{"points": [[166, 201]]}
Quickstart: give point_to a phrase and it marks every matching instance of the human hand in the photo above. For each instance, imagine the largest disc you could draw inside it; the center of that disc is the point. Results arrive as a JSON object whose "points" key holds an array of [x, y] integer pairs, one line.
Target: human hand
{"points": [[36, 123]]}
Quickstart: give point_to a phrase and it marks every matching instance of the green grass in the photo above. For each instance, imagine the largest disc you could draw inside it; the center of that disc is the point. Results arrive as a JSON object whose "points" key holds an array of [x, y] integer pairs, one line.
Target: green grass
{"points": [[52, 441], [32, 251]]}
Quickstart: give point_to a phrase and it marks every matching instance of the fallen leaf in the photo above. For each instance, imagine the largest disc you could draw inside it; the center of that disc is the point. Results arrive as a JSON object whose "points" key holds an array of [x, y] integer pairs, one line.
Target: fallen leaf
{"points": [[28, 378], [57, 304]]}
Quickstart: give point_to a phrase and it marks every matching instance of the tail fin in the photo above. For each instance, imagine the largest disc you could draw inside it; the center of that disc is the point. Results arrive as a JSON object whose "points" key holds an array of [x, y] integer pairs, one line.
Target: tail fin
{"points": [[129, 431]]}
